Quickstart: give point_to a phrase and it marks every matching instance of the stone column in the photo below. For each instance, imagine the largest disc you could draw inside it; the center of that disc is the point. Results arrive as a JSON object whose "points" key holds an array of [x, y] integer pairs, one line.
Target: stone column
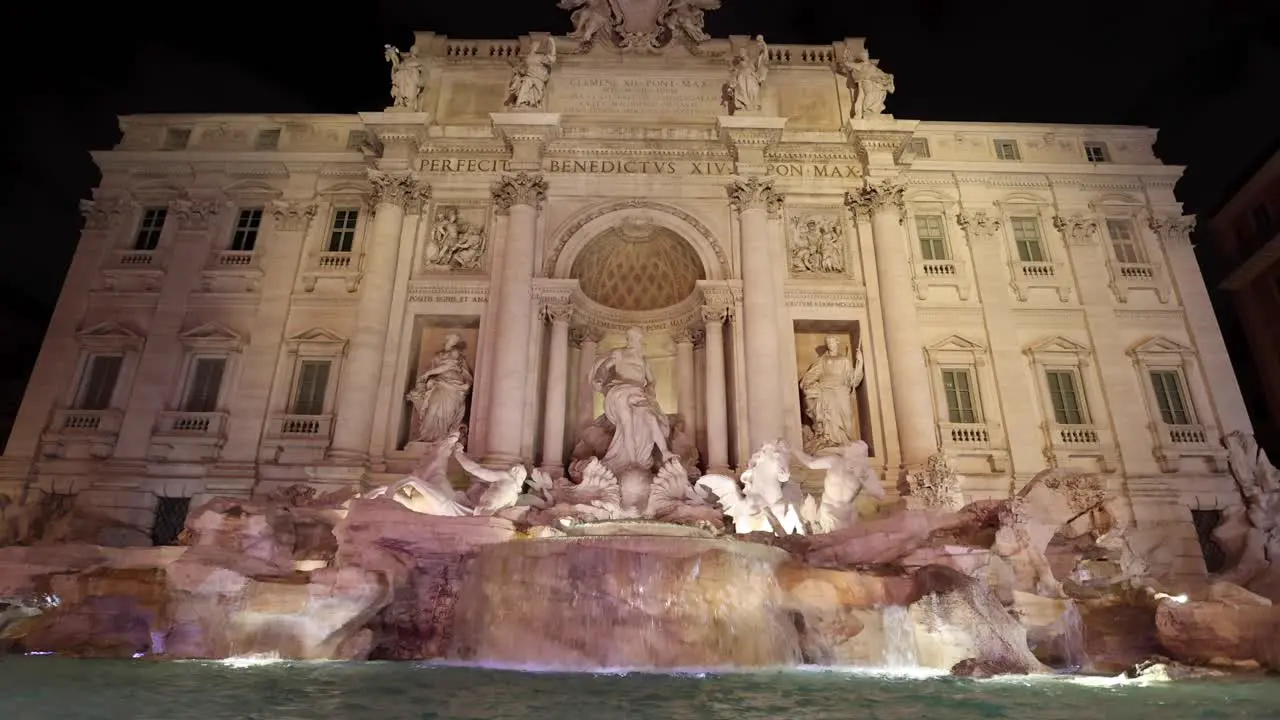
{"points": [[587, 340], [520, 196], [686, 393], [754, 199], [714, 318], [908, 372], [557, 396], [362, 369]]}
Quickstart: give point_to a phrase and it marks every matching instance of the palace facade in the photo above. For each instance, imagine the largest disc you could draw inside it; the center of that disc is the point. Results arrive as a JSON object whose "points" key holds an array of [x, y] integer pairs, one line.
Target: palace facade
{"points": [[253, 296]]}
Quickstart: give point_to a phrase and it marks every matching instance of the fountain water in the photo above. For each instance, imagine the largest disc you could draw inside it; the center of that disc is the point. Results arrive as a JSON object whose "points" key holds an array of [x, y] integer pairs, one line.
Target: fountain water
{"points": [[624, 601], [1073, 637], [900, 651]]}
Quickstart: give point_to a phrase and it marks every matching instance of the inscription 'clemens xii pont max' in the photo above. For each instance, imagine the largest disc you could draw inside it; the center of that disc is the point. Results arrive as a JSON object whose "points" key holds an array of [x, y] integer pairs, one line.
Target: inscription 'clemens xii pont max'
{"points": [[603, 95], [639, 167]]}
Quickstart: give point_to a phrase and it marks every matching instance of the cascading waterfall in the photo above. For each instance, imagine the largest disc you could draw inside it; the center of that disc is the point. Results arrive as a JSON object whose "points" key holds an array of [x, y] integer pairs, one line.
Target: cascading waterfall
{"points": [[637, 602], [1073, 637], [900, 651]]}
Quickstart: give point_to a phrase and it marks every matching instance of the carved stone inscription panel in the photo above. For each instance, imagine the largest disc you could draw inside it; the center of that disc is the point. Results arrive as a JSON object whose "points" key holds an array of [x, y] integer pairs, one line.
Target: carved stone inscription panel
{"points": [[600, 94]]}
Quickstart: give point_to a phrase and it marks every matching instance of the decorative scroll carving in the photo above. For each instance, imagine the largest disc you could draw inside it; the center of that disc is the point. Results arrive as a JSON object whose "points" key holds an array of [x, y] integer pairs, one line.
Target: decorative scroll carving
{"points": [[816, 245], [557, 312], [872, 197], [754, 193], [715, 313], [689, 335], [1173, 229], [101, 214], [638, 25], [978, 225], [579, 334], [403, 189], [195, 214], [292, 216], [520, 189], [1077, 229]]}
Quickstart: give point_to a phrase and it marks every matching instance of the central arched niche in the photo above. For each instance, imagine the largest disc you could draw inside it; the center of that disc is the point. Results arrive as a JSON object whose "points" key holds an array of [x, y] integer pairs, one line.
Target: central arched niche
{"points": [[637, 266]]}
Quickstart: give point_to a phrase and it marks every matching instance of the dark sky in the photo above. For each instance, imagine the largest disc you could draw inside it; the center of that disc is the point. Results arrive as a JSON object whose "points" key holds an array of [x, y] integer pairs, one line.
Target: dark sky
{"points": [[1204, 70]]}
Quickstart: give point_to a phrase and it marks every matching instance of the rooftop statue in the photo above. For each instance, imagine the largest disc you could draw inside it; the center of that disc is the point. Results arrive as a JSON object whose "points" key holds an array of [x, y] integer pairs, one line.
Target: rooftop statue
{"points": [[406, 76]]}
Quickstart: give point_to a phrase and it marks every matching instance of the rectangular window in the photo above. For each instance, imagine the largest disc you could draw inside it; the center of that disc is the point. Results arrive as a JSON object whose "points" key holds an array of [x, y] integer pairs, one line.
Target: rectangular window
{"points": [[1026, 235], [1170, 398], [150, 228], [313, 381], [1096, 152], [176, 138], [1007, 150], [933, 238], [918, 147], [204, 385], [246, 233], [267, 139], [1124, 241], [99, 382], [957, 385], [1064, 395], [342, 235], [170, 518]]}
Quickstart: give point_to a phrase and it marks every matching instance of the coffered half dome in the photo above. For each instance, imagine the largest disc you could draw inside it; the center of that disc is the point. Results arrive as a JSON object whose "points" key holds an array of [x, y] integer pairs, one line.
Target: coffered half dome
{"points": [[637, 265]]}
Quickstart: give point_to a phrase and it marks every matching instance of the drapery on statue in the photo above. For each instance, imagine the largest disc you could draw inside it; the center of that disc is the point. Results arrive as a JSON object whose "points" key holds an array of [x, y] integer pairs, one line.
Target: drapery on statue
{"points": [[406, 76], [625, 379], [828, 386], [439, 396], [527, 89], [869, 86], [746, 76]]}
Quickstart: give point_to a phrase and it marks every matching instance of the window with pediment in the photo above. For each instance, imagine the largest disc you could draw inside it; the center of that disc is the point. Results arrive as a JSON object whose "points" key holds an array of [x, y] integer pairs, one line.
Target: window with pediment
{"points": [[306, 403], [198, 404], [1133, 257], [94, 400], [1074, 427], [1174, 396], [935, 260], [961, 374], [337, 252], [1035, 260]]}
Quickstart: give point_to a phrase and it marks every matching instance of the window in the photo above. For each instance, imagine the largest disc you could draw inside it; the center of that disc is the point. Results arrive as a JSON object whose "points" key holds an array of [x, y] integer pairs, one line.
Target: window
{"points": [[313, 382], [204, 384], [357, 139], [918, 147], [176, 138], [1170, 398], [1007, 150], [957, 386], [267, 139], [169, 520], [99, 382], [246, 233], [1064, 394], [933, 238], [342, 234], [1124, 241], [1096, 152], [150, 228], [1026, 235]]}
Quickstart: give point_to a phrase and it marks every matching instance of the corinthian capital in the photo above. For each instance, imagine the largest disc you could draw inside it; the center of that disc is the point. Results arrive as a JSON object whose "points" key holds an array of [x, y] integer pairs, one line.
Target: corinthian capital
{"points": [[400, 189], [292, 216], [557, 312], [519, 189], [1076, 229], [101, 214], [874, 197], [754, 193], [1173, 229], [195, 215], [978, 225], [715, 314]]}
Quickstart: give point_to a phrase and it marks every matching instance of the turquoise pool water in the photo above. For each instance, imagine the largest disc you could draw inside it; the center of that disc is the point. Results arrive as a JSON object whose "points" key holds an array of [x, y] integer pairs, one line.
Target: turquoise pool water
{"points": [[35, 688]]}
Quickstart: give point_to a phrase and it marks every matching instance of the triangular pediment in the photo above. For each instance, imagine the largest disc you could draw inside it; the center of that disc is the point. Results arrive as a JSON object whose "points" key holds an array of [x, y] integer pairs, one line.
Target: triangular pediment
{"points": [[110, 337], [318, 334], [212, 334], [957, 343], [1058, 344], [317, 340], [1160, 345]]}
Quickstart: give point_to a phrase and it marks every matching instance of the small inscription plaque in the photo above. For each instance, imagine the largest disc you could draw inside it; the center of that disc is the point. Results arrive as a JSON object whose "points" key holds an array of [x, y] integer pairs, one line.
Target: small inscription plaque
{"points": [[604, 95]]}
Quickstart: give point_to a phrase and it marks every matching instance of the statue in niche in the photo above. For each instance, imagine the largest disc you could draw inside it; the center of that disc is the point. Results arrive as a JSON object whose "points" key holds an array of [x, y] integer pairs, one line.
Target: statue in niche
{"points": [[590, 18], [640, 426], [406, 76], [746, 77], [817, 245], [828, 386], [869, 86], [439, 396], [527, 89], [455, 243], [686, 17]]}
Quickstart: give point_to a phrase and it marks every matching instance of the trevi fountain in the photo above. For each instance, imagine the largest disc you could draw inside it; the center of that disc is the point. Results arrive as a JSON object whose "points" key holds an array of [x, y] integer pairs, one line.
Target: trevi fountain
{"points": [[812, 580]]}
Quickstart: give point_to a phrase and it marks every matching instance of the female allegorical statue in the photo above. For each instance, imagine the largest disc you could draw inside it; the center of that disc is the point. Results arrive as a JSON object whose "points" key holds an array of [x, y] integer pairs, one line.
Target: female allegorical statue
{"points": [[439, 396]]}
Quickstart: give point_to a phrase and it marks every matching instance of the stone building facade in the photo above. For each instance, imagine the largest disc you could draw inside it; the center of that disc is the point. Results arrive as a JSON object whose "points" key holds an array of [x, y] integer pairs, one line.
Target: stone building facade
{"points": [[253, 296]]}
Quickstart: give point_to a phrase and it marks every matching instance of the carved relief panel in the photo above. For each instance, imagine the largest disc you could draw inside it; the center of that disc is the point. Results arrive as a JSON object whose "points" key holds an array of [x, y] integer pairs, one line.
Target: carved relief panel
{"points": [[457, 238], [817, 244]]}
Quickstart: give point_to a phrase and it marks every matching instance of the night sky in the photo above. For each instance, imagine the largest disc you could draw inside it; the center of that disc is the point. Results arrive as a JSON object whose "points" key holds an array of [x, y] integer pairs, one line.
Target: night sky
{"points": [[1204, 70]]}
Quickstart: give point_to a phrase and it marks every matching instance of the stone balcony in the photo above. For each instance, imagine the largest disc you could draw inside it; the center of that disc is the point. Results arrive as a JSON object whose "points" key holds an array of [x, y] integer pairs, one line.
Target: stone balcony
{"points": [[1173, 443], [81, 434], [343, 266], [977, 447], [1069, 443], [134, 270], [233, 271], [188, 436], [293, 439]]}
